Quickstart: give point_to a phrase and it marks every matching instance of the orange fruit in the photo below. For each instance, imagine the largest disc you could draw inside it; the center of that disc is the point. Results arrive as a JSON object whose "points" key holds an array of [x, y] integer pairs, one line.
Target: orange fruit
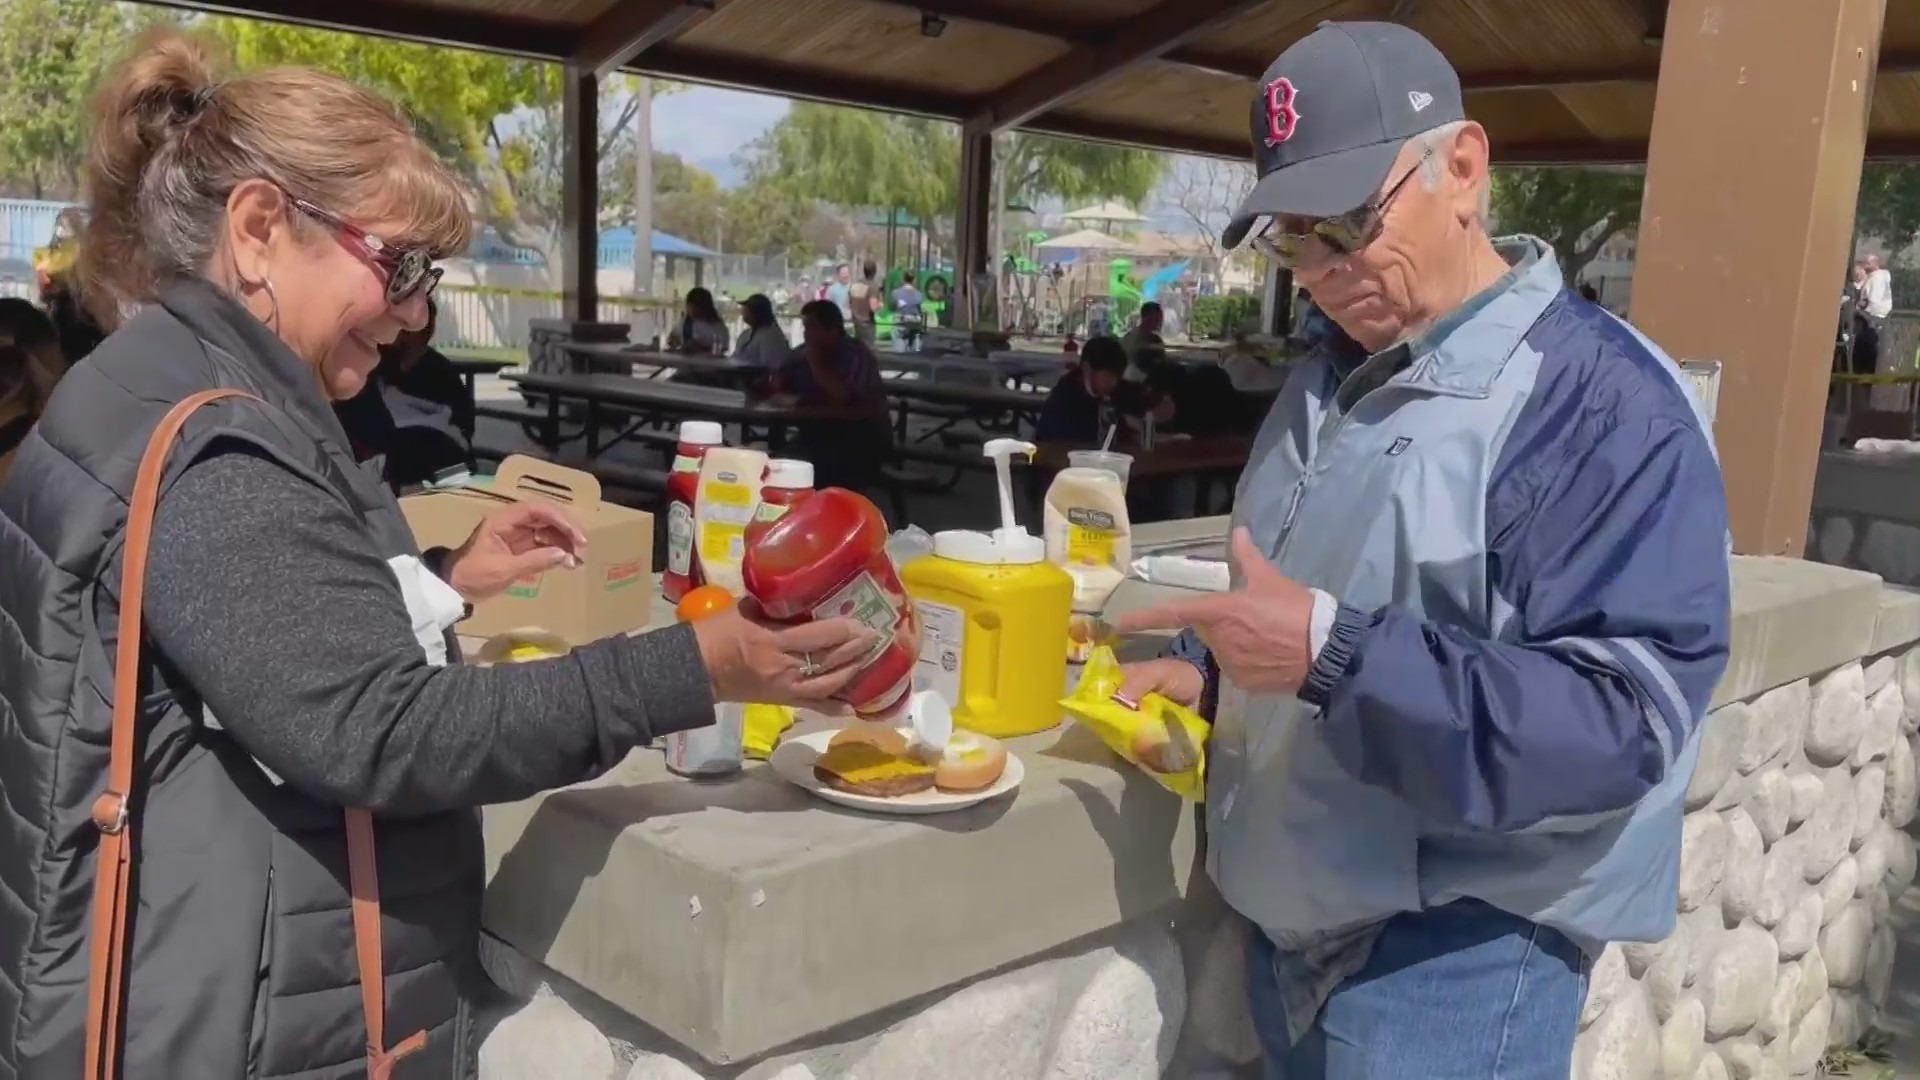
{"points": [[699, 603]]}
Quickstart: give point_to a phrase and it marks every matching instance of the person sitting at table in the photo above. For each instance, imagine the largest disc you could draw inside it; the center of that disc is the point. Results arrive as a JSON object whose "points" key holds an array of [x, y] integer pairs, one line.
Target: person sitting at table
{"points": [[762, 343], [702, 330], [833, 370], [1094, 396], [1145, 348], [415, 412], [22, 391]]}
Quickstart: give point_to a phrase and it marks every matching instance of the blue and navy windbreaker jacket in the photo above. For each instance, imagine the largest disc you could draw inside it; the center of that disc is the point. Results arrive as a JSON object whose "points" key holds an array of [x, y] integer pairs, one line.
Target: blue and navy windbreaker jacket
{"points": [[1521, 516]]}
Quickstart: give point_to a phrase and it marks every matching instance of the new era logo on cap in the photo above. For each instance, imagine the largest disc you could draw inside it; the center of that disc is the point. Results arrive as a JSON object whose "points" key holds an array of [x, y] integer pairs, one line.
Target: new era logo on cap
{"points": [[1419, 99]]}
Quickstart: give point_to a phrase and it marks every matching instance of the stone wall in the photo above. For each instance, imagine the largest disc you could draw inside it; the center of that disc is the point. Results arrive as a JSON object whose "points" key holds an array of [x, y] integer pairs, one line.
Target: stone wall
{"points": [[1793, 849]]}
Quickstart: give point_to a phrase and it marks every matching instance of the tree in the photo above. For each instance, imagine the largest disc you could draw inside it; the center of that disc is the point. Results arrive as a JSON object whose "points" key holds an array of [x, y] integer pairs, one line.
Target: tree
{"points": [[1206, 191], [497, 121], [1889, 207], [1575, 210], [51, 54], [862, 160]]}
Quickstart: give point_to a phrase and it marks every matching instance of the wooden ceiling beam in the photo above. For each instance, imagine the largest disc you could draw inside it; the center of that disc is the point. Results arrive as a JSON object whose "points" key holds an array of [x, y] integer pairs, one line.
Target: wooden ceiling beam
{"points": [[433, 26], [1070, 31], [1141, 38], [676, 61], [631, 27]]}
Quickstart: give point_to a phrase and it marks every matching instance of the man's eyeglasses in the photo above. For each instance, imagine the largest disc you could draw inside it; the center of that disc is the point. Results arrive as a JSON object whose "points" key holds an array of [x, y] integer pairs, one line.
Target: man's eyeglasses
{"points": [[407, 270], [1344, 234]]}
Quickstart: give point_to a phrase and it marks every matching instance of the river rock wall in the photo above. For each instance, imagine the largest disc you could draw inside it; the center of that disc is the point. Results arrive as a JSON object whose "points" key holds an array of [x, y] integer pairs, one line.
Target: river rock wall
{"points": [[1794, 847]]}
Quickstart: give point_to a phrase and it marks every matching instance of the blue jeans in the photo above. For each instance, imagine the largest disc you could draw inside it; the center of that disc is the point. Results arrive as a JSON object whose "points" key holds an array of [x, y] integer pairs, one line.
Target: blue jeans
{"points": [[1464, 991]]}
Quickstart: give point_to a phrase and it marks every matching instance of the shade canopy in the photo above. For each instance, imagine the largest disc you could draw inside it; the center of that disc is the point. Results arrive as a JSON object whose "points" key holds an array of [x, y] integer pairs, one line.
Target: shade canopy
{"points": [[1567, 81]]}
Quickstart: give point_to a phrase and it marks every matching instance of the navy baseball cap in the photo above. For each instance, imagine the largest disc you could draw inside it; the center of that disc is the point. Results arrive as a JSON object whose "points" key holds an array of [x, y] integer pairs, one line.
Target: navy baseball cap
{"points": [[1331, 114]]}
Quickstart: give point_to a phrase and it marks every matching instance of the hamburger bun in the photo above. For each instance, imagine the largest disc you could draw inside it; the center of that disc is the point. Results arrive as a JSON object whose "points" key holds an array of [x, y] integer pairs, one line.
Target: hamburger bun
{"points": [[970, 763], [884, 736], [862, 765], [1156, 751]]}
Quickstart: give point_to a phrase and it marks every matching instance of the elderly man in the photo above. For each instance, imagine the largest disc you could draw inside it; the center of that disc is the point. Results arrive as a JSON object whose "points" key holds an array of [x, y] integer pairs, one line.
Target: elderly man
{"points": [[1480, 604]]}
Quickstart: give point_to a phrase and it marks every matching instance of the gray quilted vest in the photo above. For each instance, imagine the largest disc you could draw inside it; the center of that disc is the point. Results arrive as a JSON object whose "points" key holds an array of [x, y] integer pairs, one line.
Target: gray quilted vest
{"points": [[242, 961]]}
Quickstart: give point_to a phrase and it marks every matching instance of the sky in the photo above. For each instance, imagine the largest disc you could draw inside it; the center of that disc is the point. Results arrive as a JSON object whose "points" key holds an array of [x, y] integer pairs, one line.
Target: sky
{"points": [[707, 126]]}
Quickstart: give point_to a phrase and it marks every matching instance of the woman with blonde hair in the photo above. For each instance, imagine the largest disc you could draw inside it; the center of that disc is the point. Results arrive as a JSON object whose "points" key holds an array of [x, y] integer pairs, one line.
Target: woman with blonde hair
{"points": [[238, 839]]}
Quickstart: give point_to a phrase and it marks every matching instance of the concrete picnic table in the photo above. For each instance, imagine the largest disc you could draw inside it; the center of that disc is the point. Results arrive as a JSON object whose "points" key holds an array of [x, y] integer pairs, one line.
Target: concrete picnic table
{"points": [[655, 402]]}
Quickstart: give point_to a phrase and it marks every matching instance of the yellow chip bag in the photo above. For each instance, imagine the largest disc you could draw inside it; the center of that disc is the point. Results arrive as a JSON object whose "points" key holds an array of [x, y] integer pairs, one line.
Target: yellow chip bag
{"points": [[762, 728], [1164, 740]]}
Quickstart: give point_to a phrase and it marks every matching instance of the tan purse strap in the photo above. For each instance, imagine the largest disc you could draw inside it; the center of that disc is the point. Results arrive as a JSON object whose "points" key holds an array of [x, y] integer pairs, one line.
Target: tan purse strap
{"points": [[107, 948]]}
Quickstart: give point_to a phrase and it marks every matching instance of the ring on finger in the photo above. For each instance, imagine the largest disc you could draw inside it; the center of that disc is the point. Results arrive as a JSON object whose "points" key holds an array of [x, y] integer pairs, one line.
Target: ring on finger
{"points": [[808, 666]]}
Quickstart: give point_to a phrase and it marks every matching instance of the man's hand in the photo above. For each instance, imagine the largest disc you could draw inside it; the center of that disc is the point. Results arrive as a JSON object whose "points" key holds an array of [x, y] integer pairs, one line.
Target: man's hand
{"points": [[1177, 680], [514, 542], [1258, 634]]}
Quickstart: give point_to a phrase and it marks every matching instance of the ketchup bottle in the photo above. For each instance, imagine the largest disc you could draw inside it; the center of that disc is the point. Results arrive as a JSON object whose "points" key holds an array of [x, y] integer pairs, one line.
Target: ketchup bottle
{"points": [[826, 557], [788, 481], [683, 484]]}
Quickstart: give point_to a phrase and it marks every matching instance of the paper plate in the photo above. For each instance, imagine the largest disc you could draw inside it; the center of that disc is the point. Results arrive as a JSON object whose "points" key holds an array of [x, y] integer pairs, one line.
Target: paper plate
{"points": [[793, 759]]}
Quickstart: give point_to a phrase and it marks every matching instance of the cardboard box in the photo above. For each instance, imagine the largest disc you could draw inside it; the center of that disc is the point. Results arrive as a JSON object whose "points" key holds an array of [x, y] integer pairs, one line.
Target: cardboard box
{"points": [[611, 594]]}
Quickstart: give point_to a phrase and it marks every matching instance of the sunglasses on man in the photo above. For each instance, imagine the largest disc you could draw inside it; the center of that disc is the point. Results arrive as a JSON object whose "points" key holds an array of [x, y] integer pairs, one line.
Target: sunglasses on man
{"points": [[1343, 234]]}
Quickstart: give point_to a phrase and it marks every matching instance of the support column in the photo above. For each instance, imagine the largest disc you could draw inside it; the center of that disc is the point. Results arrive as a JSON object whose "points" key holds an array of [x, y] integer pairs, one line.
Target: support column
{"points": [[580, 196], [1759, 131], [972, 222]]}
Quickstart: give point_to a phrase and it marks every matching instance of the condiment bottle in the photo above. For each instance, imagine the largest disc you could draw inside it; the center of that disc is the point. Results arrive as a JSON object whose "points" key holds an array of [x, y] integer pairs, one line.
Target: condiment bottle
{"points": [[993, 619], [705, 753], [788, 481], [826, 557], [683, 484]]}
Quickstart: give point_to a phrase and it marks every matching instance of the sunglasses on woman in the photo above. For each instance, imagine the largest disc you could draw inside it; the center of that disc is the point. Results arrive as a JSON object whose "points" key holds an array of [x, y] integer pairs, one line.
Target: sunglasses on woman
{"points": [[1343, 234], [407, 270]]}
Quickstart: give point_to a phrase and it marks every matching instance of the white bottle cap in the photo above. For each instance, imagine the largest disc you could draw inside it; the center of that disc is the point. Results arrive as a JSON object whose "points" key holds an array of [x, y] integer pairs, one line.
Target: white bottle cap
{"points": [[930, 719], [789, 473], [701, 433], [996, 548]]}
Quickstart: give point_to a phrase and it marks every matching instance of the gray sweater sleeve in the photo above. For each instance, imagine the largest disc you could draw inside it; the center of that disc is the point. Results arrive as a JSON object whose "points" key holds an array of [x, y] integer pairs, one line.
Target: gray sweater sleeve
{"points": [[270, 601]]}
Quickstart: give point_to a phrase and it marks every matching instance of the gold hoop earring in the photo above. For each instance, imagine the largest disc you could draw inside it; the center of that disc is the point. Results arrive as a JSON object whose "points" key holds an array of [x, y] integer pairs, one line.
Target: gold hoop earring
{"points": [[273, 300]]}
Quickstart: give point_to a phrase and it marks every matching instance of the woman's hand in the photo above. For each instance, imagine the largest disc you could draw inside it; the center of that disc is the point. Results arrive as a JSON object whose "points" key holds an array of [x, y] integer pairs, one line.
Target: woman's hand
{"points": [[781, 665], [514, 542]]}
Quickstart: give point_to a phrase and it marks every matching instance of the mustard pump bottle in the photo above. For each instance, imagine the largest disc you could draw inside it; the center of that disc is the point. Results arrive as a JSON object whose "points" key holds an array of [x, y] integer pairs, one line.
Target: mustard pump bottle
{"points": [[993, 617]]}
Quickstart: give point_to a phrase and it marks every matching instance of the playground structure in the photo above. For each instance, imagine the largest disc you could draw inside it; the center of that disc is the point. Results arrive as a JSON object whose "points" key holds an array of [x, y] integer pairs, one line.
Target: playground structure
{"points": [[1073, 296]]}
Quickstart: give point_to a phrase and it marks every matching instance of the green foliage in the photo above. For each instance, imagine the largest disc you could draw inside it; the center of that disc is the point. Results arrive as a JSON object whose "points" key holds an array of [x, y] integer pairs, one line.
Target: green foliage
{"points": [[51, 54], [856, 159], [1040, 166], [1889, 205], [1217, 316], [1575, 210]]}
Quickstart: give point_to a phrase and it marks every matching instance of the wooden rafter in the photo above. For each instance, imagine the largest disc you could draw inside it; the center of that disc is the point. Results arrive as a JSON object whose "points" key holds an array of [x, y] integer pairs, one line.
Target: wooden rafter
{"points": [[1140, 39], [434, 26], [631, 27]]}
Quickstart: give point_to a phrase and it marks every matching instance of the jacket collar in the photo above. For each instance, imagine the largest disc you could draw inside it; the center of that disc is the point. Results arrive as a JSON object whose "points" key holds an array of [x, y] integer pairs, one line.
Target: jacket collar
{"points": [[219, 320], [1464, 351]]}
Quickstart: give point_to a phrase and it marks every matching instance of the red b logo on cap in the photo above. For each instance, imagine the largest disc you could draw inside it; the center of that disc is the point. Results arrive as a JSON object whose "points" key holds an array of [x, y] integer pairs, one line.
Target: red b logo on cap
{"points": [[1281, 115]]}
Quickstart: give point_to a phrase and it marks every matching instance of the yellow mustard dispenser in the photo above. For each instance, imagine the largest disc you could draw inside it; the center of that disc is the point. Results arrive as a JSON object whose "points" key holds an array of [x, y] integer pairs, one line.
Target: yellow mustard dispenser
{"points": [[993, 619]]}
